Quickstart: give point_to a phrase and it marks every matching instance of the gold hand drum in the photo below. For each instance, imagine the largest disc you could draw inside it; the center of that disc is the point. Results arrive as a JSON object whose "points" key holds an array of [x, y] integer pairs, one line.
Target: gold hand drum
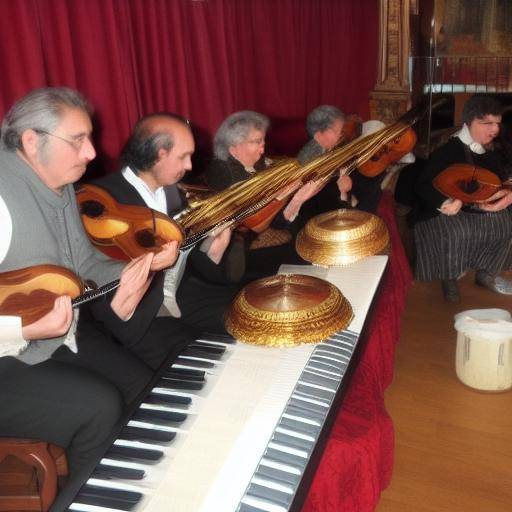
{"points": [[287, 310], [341, 237]]}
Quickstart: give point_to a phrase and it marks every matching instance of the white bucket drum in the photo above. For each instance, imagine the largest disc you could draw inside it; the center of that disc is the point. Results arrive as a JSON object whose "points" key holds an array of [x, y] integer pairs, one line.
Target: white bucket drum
{"points": [[483, 357]]}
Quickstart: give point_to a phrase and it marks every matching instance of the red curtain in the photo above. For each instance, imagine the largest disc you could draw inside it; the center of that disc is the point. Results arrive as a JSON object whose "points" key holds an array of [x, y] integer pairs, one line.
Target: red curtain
{"points": [[201, 58]]}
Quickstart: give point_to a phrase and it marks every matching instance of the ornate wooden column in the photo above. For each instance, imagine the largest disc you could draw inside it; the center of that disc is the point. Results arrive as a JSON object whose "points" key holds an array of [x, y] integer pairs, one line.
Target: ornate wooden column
{"points": [[391, 97]]}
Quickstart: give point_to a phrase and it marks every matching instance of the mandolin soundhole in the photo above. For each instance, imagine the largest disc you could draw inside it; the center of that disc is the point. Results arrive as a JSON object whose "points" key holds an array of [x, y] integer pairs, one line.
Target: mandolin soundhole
{"points": [[92, 209], [145, 238], [469, 187]]}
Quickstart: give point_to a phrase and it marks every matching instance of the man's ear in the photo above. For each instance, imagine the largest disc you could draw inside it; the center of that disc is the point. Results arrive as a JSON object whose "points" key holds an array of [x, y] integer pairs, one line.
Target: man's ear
{"points": [[162, 153], [318, 136], [30, 142]]}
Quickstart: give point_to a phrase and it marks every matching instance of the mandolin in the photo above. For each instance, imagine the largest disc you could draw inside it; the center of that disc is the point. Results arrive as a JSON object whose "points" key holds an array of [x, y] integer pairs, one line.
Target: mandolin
{"points": [[389, 153], [468, 183], [31, 292], [124, 231]]}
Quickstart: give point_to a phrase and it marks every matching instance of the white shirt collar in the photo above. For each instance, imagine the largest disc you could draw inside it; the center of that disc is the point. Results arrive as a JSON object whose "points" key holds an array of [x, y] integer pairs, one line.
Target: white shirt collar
{"points": [[466, 138], [155, 200]]}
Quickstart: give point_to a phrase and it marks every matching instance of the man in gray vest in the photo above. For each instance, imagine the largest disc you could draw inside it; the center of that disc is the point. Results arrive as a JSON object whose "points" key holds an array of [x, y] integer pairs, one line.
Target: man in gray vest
{"points": [[57, 384]]}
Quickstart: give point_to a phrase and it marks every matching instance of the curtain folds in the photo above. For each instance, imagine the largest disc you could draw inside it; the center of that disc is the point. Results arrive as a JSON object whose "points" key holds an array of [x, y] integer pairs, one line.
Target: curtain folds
{"points": [[201, 58]]}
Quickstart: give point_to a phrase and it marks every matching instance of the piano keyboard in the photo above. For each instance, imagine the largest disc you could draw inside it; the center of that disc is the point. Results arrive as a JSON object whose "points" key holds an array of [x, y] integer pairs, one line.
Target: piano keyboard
{"points": [[229, 427]]}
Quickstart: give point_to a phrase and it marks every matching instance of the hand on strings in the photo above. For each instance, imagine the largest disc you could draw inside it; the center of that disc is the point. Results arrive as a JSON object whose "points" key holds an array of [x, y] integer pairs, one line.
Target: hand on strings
{"points": [[344, 182], [498, 201], [55, 323], [305, 192], [166, 257], [451, 206], [134, 282], [288, 190], [219, 244]]}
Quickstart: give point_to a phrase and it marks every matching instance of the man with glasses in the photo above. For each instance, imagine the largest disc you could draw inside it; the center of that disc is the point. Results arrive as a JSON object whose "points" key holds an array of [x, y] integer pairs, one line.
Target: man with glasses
{"points": [[58, 385]]}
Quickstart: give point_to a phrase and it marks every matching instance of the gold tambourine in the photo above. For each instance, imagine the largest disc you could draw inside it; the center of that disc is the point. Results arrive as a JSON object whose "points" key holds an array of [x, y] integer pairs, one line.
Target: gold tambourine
{"points": [[341, 237], [287, 310]]}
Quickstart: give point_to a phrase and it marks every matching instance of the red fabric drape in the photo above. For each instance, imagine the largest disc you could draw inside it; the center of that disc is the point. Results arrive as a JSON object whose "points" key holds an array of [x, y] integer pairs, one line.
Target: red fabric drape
{"points": [[202, 59]]}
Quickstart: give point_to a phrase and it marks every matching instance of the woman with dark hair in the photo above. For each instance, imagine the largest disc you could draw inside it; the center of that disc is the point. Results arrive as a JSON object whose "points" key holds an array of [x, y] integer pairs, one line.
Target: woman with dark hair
{"points": [[452, 238]]}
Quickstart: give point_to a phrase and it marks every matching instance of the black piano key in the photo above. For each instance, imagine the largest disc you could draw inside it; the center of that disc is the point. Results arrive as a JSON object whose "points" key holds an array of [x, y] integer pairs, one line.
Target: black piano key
{"points": [[159, 417], [243, 507], [208, 347], [221, 338], [313, 392], [307, 414], [268, 495], [134, 453], [108, 498], [193, 363], [146, 434], [299, 427], [167, 399], [278, 475], [106, 471], [318, 380], [286, 458], [292, 442], [194, 352], [308, 406], [339, 366], [185, 374], [188, 385], [325, 366]]}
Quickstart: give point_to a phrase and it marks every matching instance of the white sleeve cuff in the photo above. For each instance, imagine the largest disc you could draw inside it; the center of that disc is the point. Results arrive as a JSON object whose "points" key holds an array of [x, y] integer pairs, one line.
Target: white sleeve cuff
{"points": [[11, 337]]}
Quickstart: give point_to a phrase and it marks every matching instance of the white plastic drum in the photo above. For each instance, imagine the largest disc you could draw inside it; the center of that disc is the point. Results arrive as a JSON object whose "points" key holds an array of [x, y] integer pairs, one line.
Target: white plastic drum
{"points": [[484, 354]]}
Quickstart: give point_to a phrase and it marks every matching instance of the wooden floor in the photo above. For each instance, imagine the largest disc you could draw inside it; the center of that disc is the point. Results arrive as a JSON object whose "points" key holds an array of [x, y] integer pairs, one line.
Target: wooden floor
{"points": [[453, 444]]}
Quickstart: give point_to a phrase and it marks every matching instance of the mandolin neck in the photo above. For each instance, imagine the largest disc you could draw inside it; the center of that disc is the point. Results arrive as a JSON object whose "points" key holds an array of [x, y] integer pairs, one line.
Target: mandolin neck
{"points": [[95, 294]]}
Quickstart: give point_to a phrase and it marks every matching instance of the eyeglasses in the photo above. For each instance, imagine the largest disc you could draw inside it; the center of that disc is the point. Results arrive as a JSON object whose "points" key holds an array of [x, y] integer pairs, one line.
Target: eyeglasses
{"points": [[76, 144], [256, 141]]}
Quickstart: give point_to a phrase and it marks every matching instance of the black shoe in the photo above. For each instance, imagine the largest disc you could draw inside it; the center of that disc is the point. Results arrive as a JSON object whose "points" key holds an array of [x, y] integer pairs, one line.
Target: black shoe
{"points": [[450, 290], [495, 284]]}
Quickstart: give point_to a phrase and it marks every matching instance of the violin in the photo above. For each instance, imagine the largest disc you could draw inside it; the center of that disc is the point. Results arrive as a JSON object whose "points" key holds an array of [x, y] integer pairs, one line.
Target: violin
{"points": [[31, 292], [467, 182], [124, 231], [352, 128], [389, 154]]}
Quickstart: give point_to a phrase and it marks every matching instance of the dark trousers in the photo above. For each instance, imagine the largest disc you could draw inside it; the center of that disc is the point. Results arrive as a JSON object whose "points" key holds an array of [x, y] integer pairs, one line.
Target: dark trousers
{"points": [[72, 400], [203, 304], [59, 403]]}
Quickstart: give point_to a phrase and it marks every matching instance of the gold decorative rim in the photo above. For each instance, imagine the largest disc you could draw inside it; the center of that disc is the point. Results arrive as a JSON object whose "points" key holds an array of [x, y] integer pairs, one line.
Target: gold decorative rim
{"points": [[342, 237], [259, 326]]}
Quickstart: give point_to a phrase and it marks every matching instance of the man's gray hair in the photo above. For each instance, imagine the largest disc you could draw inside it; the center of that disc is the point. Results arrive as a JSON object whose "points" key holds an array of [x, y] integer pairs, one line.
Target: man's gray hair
{"points": [[321, 118], [235, 129], [40, 109]]}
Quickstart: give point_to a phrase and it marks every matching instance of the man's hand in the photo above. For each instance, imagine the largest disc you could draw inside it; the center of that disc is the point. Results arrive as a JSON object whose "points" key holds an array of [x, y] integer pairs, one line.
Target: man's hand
{"points": [[498, 201], [219, 243], [451, 206], [134, 282], [55, 323], [166, 257]]}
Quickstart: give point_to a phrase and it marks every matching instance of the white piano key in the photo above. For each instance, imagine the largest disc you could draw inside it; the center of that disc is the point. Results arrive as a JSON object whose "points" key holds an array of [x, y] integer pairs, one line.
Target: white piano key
{"points": [[154, 426], [82, 507], [139, 444], [169, 408], [123, 464], [216, 362], [114, 484]]}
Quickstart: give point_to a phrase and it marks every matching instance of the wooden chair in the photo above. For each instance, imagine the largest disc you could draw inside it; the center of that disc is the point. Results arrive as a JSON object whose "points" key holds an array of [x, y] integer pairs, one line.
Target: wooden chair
{"points": [[29, 471]]}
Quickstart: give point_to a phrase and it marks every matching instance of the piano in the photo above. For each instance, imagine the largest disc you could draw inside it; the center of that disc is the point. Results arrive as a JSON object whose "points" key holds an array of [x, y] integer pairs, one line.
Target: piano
{"points": [[230, 426]]}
